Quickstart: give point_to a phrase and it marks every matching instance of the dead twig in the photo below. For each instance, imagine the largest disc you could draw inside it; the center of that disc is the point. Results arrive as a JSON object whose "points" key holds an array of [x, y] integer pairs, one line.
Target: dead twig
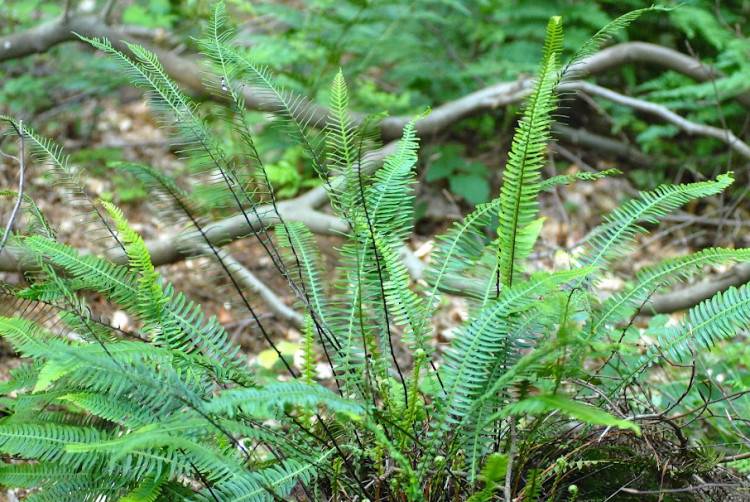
{"points": [[21, 175]]}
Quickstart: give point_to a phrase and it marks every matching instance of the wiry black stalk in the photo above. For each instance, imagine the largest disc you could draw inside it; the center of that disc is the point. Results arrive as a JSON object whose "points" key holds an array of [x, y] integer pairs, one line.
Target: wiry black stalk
{"points": [[386, 320]]}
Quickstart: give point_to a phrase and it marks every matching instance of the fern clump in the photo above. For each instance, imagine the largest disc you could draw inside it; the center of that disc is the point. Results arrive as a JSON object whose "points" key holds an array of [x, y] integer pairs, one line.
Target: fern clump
{"points": [[170, 410]]}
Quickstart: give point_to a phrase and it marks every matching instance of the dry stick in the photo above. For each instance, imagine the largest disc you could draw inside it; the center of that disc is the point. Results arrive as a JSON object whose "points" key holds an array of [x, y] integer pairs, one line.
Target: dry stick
{"points": [[702, 486], [508, 489], [66, 11], [190, 74], [582, 137], [22, 173], [732, 458], [251, 282], [663, 112]]}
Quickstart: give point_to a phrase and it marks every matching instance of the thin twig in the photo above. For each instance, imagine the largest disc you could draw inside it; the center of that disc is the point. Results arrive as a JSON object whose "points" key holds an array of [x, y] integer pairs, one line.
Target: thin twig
{"points": [[681, 490], [254, 284], [511, 453], [22, 167], [732, 458]]}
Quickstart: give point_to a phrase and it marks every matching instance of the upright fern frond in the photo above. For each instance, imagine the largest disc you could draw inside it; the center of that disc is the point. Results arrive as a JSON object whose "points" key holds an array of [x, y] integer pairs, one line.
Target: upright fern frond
{"points": [[517, 231]]}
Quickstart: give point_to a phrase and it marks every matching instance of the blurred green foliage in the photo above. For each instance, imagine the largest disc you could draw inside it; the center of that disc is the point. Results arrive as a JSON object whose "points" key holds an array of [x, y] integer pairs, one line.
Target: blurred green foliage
{"points": [[403, 56]]}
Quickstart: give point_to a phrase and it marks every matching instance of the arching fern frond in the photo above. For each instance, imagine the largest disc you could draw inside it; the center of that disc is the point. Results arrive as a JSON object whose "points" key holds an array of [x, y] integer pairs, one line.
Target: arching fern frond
{"points": [[616, 235], [566, 179], [624, 304], [270, 401], [69, 181], [718, 318], [605, 34]]}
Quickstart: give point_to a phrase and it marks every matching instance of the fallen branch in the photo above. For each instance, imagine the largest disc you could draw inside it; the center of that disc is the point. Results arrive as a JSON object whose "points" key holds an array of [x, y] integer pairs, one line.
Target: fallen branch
{"points": [[589, 140], [688, 297], [269, 298], [663, 112]]}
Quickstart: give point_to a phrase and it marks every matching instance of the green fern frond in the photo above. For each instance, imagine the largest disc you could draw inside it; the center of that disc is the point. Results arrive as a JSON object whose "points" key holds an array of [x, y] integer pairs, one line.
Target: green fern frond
{"points": [[297, 114], [78, 489], [39, 474], [545, 403], [47, 442], [269, 401], [296, 236], [459, 263], [718, 318], [308, 352], [99, 275], [567, 179], [274, 482], [172, 108], [26, 337], [389, 199], [174, 321], [405, 306], [38, 224], [128, 414], [380, 219], [22, 377], [341, 138], [69, 180], [525, 331], [521, 178], [624, 304], [148, 490], [616, 235], [150, 292]]}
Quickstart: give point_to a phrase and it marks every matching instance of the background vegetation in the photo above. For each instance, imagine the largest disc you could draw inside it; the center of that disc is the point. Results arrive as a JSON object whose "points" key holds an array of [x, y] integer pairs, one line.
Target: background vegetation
{"points": [[666, 103]]}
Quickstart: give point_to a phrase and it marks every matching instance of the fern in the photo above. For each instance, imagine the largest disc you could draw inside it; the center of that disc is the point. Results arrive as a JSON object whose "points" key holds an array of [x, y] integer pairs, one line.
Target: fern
{"points": [[169, 410], [517, 229]]}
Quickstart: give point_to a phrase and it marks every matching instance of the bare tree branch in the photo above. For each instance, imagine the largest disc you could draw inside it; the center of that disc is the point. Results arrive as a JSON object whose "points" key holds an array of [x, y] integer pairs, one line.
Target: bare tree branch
{"points": [[646, 53], [688, 297], [188, 72], [66, 10], [252, 283], [589, 140], [107, 11], [663, 112]]}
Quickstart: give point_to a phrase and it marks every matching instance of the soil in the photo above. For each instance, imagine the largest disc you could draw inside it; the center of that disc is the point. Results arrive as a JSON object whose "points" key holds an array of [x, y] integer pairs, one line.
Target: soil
{"points": [[571, 212]]}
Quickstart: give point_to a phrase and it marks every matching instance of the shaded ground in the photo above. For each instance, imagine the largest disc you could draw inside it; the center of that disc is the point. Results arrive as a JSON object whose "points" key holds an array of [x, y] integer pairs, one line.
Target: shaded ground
{"points": [[571, 213]]}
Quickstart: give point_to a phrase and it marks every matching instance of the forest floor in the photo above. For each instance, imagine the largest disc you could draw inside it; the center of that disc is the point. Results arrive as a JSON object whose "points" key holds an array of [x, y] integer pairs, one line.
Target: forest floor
{"points": [[571, 212]]}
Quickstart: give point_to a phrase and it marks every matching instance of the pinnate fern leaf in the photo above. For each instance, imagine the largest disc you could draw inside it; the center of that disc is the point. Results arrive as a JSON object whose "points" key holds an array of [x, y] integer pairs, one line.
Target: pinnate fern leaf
{"points": [[521, 178]]}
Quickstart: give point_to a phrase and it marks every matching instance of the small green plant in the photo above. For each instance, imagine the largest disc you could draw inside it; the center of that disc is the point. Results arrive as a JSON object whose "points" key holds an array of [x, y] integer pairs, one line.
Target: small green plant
{"points": [[169, 410], [470, 180]]}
